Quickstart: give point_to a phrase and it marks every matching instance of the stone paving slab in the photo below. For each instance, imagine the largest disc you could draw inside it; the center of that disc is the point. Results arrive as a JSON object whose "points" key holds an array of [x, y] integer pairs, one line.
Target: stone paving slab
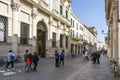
{"points": [[74, 69]]}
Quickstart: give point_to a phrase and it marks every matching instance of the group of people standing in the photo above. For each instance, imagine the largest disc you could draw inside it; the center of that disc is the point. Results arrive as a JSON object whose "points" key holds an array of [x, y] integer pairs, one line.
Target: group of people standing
{"points": [[95, 56], [59, 58]]}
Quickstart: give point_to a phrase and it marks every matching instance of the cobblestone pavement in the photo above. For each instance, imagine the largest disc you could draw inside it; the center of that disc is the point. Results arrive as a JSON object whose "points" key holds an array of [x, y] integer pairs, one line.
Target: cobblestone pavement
{"points": [[74, 69]]}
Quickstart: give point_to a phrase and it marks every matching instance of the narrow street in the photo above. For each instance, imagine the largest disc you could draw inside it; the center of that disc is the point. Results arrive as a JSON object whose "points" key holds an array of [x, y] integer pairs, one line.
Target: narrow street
{"points": [[74, 69]]}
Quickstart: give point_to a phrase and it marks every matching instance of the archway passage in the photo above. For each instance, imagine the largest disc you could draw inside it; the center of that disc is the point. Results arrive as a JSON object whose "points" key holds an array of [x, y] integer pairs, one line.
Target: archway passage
{"points": [[41, 38]]}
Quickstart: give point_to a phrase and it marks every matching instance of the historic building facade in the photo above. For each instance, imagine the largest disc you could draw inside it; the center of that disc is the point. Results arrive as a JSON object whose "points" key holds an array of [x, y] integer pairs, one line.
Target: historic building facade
{"points": [[76, 35], [38, 25], [82, 36], [42, 26], [112, 9]]}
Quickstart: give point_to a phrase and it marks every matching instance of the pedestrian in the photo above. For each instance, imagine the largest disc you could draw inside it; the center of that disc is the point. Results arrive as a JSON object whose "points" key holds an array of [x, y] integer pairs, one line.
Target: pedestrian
{"points": [[86, 55], [98, 57], [25, 59], [56, 59], [10, 59], [29, 62], [93, 57], [62, 55], [35, 60]]}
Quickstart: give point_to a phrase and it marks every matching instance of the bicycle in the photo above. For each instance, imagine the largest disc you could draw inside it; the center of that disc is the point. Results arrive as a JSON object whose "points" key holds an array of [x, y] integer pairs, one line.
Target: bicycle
{"points": [[18, 59], [115, 69], [2, 62]]}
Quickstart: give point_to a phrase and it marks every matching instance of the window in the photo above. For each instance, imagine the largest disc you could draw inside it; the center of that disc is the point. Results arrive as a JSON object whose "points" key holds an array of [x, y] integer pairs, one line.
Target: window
{"points": [[76, 26], [54, 4], [54, 39], [24, 36], [47, 1], [61, 9], [66, 14], [71, 32], [3, 26], [61, 41], [66, 42], [71, 21]]}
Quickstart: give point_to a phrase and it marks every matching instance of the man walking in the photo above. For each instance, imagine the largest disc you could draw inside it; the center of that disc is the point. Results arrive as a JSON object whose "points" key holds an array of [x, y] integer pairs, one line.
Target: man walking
{"points": [[10, 59], [35, 60], [98, 57]]}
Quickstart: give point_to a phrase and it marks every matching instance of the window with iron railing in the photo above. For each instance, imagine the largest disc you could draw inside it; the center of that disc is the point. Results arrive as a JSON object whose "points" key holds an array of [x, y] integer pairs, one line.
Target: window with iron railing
{"points": [[24, 36], [3, 28]]}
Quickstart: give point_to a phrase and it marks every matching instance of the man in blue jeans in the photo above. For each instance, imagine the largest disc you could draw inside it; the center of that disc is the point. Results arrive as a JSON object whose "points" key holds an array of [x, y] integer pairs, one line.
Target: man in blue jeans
{"points": [[10, 59], [62, 55]]}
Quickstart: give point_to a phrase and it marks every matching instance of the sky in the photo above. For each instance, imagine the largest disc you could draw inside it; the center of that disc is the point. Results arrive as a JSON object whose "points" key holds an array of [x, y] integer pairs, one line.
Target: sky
{"points": [[91, 13]]}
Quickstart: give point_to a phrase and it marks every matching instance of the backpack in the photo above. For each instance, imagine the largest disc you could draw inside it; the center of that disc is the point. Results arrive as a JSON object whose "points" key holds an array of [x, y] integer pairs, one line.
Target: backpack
{"points": [[62, 55], [12, 57]]}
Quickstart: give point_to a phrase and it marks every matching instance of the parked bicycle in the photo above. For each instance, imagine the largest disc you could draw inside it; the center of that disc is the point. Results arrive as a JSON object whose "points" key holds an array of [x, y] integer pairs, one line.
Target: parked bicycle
{"points": [[2, 61], [115, 67], [18, 59]]}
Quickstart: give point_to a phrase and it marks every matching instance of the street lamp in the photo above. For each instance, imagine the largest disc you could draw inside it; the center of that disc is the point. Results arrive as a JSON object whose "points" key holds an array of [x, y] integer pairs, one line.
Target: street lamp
{"points": [[104, 33]]}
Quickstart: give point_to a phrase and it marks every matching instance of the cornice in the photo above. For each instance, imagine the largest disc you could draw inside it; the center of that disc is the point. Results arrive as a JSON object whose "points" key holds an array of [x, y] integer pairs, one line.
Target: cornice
{"points": [[47, 12]]}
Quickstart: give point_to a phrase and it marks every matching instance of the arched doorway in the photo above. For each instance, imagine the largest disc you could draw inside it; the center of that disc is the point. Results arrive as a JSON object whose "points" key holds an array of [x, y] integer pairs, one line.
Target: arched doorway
{"points": [[41, 38]]}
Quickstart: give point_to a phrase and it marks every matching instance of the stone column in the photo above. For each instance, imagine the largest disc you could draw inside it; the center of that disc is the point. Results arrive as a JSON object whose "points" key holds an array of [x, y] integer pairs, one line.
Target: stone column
{"points": [[111, 41], [58, 33], [49, 40], [64, 37], [15, 7], [15, 43], [34, 29], [119, 30], [115, 31]]}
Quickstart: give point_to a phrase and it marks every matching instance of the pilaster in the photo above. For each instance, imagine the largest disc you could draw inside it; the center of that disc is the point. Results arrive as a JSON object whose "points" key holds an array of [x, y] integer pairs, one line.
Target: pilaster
{"points": [[15, 8], [34, 29], [15, 43], [115, 30]]}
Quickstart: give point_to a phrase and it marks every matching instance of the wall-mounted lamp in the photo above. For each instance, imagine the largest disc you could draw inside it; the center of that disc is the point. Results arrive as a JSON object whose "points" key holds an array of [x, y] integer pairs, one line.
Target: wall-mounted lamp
{"points": [[104, 33]]}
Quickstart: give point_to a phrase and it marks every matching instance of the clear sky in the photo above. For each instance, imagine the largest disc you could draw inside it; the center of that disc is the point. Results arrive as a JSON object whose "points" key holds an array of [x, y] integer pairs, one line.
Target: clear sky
{"points": [[91, 13]]}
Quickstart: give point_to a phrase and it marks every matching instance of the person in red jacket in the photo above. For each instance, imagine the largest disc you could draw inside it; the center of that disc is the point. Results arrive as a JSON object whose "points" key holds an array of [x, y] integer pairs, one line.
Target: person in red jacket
{"points": [[29, 62]]}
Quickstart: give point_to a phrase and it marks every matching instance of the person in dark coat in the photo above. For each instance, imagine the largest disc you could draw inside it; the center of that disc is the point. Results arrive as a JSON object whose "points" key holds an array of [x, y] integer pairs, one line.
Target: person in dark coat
{"points": [[35, 60], [98, 57], [56, 59], [93, 57]]}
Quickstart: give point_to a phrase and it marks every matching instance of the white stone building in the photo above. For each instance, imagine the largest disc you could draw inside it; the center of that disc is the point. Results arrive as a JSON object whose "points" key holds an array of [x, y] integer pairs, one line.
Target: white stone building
{"points": [[112, 10], [76, 35], [82, 37], [36, 25], [41, 26]]}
